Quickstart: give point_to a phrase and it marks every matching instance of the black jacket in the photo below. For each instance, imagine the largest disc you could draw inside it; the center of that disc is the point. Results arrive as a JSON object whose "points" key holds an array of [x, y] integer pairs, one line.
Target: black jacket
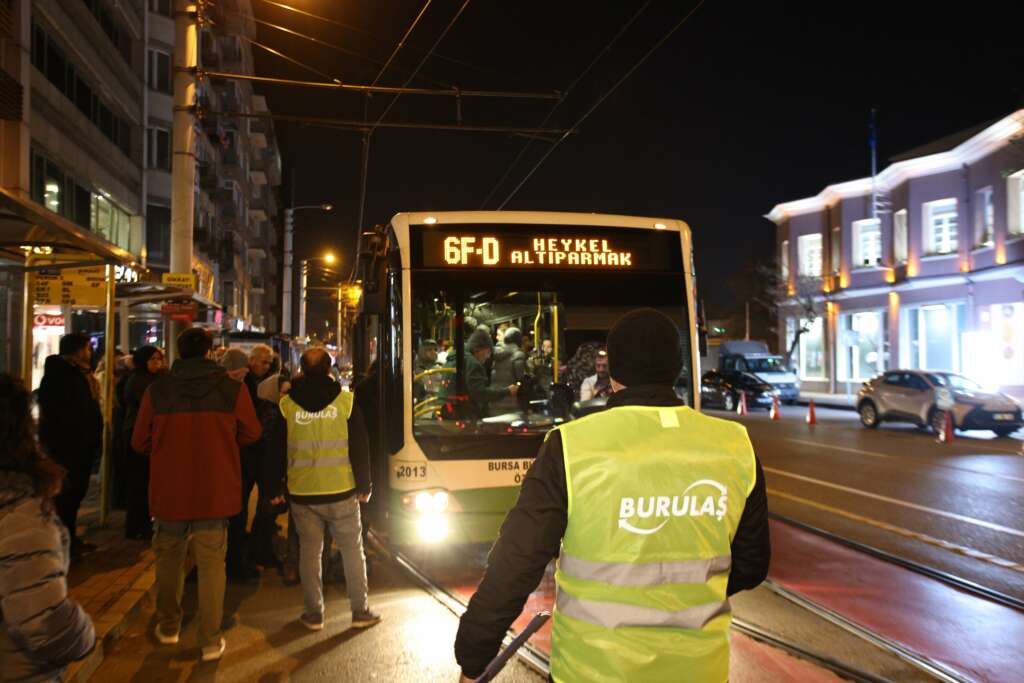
{"points": [[314, 393], [532, 533], [70, 421]]}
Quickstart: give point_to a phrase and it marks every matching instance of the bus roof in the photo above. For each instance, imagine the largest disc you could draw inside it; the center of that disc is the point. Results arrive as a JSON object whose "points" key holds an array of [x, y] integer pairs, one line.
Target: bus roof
{"points": [[538, 217]]}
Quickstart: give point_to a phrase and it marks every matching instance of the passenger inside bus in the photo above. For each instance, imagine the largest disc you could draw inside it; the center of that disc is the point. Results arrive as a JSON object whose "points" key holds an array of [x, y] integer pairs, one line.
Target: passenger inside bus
{"points": [[480, 392]]}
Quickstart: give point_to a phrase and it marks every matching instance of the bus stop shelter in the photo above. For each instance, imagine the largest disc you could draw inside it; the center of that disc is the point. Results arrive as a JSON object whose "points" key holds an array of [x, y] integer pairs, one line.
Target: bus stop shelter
{"points": [[61, 263]]}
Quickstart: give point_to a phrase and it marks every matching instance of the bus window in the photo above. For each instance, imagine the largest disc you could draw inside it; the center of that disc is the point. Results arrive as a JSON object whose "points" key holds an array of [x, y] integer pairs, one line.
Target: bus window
{"points": [[565, 327]]}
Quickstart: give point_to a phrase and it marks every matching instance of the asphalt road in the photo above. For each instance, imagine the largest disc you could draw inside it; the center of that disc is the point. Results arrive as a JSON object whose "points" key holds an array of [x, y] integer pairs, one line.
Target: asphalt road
{"points": [[958, 507], [266, 644]]}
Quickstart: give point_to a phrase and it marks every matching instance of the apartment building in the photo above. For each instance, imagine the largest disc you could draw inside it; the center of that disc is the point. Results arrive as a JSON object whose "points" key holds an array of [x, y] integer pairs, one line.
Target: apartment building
{"points": [[238, 175], [919, 267]]}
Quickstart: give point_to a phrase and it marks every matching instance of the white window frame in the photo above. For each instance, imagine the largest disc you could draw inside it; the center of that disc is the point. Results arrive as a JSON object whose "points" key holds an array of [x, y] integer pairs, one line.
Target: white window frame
{"points": [[784, 260], [153, 134], [837, 250], [818, 322], [984, 218], [873, 259], [1015, 204], [809, 255], [900, 237], [153, 56], [948, 242]]}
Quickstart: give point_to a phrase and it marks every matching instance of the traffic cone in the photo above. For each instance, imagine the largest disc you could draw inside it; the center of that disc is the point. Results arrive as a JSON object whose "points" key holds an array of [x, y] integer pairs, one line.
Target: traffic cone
{"points": [[946, 435], [741, 407], [811, 418], [775, 408]]}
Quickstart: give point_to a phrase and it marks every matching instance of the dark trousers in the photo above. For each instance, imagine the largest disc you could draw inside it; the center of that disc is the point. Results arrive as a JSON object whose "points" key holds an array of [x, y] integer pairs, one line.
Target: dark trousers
{"points": [[238, 552], [137, 522], [76, 485]]}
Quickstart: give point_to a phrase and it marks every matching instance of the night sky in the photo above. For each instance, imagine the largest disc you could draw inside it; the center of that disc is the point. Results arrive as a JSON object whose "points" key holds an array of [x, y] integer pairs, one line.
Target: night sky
{"points": [[747, 105]]}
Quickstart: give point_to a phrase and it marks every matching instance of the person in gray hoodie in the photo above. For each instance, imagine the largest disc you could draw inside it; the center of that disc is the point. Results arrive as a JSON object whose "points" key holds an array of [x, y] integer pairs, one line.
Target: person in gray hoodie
{"points": [[42, 630]]}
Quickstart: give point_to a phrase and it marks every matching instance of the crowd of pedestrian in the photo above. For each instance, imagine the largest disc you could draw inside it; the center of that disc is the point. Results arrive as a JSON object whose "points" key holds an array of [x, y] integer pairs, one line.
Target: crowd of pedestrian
{"points": [[194, 445]]}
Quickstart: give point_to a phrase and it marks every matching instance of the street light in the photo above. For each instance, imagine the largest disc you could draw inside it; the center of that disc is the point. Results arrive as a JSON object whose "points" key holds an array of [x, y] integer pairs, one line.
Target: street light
{"points": [[289, 229], [327, 258]]}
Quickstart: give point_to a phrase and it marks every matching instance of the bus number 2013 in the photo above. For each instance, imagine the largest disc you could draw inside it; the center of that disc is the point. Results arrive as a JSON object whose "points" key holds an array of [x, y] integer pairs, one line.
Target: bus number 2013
{"points": [[411, 472]]}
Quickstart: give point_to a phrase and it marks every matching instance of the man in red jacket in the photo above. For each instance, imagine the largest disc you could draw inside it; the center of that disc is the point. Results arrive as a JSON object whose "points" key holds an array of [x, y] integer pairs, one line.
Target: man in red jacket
{"points": [[191, 424]]}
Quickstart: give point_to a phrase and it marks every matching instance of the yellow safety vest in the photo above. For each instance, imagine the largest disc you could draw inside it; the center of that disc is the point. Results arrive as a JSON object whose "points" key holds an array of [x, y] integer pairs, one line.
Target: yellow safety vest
{"points": [[655, 497], [318, 462]]}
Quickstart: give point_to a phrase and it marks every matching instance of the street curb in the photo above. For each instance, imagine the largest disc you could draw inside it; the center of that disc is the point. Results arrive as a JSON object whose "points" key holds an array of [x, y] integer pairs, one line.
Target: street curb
{"points": [[111, 625]]}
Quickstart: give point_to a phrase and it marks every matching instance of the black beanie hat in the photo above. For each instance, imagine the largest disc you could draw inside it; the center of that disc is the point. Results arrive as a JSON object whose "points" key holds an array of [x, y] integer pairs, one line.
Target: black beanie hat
{"points": [[644, 348]]}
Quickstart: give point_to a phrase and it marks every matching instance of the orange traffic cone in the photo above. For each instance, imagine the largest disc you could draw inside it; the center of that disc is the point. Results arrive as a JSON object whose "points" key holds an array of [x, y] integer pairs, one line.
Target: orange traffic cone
{"points": [[811, 418], [775, 408], [741, 407], [946, 435]]}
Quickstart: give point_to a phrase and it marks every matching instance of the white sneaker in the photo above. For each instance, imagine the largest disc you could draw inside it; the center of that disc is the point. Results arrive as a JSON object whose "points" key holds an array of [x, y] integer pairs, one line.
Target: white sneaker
{"points": [[212, 653], [165, 639]]}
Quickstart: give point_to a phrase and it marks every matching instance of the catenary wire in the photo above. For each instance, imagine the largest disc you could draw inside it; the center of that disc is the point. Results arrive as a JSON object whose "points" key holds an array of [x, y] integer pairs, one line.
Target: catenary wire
{"points": [[600, 100], [565, 94]]}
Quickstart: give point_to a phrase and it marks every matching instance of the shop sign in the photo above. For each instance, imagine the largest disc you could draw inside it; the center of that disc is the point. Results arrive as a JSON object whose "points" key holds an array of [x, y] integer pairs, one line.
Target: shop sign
{"points": [[182, 312], [125, 274], [43, 320], [183, 280], [70, 287]]}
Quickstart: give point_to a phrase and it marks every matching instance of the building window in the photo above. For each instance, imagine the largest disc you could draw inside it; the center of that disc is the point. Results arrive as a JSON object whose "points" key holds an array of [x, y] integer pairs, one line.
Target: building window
{"points": [[158, 233], [812, 351], [984, 218], [994, 353], [809, 248], [51, 61], [784, 260], [1015, 203], [940, 227], [158, 148], [158, 70], [118, 35], [837, 245], [867, 243], [861, 350], [899, 236], [160, 7], [111, 222], [933, 335]]}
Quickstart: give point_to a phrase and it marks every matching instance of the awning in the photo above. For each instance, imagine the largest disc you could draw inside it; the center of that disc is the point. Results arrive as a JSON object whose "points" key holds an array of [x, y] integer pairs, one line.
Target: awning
{"points": [[136, 293], [25, 223]]}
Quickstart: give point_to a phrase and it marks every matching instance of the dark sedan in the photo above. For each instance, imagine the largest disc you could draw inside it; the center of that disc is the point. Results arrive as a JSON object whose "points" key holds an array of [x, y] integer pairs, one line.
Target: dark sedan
{"points": [[722, 390]]}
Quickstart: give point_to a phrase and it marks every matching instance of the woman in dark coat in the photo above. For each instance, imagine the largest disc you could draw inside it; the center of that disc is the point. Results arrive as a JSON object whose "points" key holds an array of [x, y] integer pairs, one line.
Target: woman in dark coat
{"points": [[42, 630], [148, 362]]}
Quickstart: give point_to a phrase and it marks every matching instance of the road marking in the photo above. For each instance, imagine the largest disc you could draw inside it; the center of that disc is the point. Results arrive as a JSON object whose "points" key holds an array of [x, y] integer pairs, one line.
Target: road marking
{"points": [[874, 454], [907, 533], [895, 501]]}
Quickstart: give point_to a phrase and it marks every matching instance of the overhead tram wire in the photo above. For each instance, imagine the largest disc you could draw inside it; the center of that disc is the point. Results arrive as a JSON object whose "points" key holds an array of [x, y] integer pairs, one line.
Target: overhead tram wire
{"points": [[366, 138], [600, 100], [347, 124], [356, 29], [565, 94]]}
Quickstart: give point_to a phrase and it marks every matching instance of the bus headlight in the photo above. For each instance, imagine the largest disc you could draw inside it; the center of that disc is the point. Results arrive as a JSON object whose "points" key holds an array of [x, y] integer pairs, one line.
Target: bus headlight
{"points": [[432, 527], [427, 501]]}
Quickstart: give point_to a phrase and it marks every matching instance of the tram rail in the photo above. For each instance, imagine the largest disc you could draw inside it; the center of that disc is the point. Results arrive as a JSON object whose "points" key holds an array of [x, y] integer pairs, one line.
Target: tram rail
{"points": [[957, 582]]}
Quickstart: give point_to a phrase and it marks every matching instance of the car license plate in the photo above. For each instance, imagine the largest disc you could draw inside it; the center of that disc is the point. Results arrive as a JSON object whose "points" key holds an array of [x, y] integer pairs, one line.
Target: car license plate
{"points": [[1005, 417]]}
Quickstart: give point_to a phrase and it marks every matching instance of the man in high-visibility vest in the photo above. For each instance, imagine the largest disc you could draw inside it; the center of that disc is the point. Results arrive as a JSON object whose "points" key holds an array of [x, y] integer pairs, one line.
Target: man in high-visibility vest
{"points": [[328, 476], [657, 514]]}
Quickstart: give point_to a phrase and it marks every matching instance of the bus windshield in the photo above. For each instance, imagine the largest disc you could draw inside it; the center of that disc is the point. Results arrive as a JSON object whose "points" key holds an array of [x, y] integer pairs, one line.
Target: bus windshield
{"points": [[542, 333]]}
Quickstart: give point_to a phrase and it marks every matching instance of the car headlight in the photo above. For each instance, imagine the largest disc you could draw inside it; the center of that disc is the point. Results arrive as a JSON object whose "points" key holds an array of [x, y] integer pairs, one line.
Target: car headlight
{"points": [[432, 527]]}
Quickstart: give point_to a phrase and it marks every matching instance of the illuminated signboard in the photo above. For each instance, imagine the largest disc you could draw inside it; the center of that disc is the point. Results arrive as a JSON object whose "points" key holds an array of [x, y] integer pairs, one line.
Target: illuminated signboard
{"points": [[545, 247]]}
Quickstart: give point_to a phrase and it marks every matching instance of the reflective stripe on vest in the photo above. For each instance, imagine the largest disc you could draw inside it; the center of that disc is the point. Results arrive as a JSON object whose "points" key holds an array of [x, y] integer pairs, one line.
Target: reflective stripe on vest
{"points": [[655, 496], [651, 574], [318, 462]]}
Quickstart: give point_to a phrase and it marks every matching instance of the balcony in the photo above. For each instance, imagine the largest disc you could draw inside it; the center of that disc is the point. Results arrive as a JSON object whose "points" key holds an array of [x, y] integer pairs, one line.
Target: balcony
{"points": [[211, 55], [209, 174]]}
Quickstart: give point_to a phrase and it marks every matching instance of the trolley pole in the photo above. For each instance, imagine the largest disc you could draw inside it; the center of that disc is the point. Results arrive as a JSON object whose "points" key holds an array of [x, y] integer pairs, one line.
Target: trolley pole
{"points": [[183, 165]]}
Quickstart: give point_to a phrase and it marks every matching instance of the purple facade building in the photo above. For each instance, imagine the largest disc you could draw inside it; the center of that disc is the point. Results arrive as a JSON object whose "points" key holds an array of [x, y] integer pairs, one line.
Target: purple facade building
{"points": [[920, 267]]}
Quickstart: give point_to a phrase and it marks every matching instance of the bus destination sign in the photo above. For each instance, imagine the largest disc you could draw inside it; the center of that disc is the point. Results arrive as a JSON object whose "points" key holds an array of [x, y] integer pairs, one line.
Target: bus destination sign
{"points": [[636, 250]]}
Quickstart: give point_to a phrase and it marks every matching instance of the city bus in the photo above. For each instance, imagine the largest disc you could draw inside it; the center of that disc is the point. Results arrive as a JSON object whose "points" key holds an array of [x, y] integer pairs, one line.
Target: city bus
{"points": [[447, 468]]}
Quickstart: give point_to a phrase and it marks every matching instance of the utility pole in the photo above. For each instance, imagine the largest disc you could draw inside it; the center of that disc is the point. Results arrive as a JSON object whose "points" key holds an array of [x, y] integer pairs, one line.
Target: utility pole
{"points": [[302, 299], [183, 165], [289, 232]]}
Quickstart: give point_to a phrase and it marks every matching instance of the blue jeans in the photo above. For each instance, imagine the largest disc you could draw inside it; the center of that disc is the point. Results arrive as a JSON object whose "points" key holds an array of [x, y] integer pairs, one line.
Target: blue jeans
{"points": [[342, 519]]}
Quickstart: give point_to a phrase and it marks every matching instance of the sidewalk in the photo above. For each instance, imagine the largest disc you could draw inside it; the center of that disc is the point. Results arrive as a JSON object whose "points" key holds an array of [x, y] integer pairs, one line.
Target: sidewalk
{"points": [[111, 583]]}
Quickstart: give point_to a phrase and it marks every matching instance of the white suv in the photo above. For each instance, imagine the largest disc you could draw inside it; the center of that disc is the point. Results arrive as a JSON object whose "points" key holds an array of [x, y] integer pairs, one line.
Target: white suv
{"points": [[915, 395]]}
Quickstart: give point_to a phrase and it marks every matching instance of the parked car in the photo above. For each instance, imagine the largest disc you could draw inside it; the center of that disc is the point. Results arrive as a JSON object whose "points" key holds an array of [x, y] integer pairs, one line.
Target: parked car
{"points": [[916, 396], [731, 356], [719, 389]]}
